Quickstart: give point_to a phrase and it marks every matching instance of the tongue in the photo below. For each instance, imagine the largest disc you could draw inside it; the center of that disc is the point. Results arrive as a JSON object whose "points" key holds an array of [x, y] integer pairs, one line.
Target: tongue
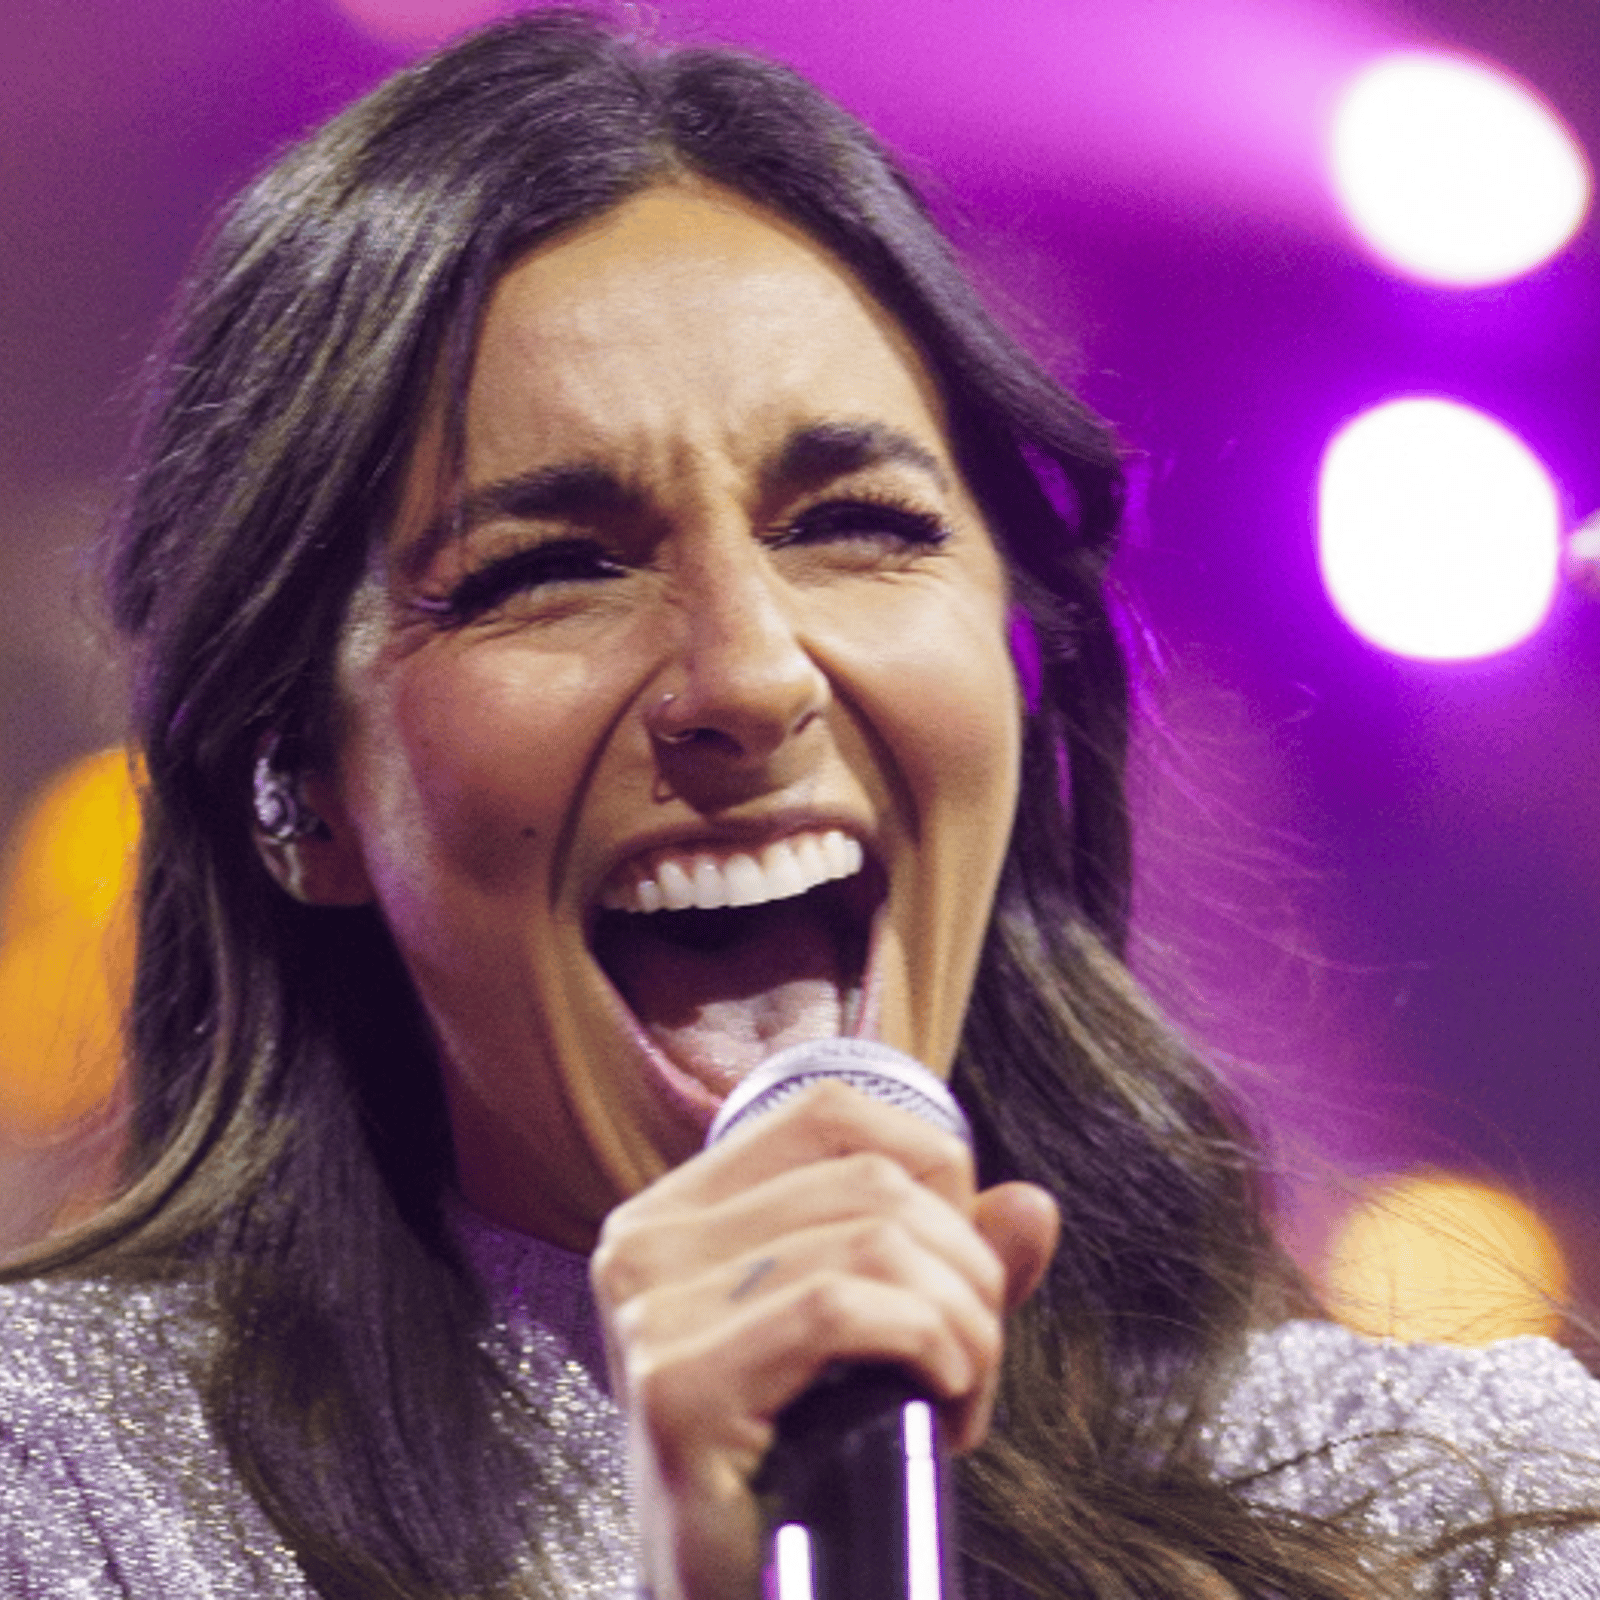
{"points": [[717, 1013]]}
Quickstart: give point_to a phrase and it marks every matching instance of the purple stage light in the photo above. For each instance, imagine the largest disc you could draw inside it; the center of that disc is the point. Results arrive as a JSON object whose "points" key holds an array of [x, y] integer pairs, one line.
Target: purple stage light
{"points": [[1581, 559], [419, 24], [1163, 108], [1454, 173], [1438, 530]]}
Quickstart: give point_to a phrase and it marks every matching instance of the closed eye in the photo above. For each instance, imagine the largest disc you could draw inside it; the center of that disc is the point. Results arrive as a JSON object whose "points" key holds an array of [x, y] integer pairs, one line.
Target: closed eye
{"points": [[885, 524], [536, 567]]}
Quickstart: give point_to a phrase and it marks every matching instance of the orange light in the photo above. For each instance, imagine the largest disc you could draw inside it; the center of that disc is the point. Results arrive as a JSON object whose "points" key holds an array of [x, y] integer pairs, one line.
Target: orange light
{"points": [[66, 948], [1429, 1256]]}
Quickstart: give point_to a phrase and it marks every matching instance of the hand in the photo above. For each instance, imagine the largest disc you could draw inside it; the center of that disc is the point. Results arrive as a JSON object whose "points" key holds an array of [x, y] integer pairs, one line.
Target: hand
{"points": [[834, 1228]]}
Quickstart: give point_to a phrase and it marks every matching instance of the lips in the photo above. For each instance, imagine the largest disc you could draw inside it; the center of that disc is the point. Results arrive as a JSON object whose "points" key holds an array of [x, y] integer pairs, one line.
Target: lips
{"points": [[725, 956]]}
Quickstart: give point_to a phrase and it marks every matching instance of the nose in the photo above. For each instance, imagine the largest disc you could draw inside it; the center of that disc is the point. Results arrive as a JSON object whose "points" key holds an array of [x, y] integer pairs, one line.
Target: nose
{"points": [[740, 687]]}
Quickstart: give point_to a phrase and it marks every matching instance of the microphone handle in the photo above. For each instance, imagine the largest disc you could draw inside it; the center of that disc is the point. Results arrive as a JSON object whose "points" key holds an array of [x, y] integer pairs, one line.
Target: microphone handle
{"points": [[859, 1494]]}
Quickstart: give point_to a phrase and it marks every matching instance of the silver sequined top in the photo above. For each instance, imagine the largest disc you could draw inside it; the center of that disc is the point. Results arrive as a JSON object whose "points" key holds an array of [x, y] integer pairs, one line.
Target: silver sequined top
{"points": [[111, 1484]]}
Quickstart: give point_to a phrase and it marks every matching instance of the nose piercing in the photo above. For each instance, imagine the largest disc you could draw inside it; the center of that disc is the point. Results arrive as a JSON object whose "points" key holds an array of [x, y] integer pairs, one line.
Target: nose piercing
{"points": [[660, 734]]}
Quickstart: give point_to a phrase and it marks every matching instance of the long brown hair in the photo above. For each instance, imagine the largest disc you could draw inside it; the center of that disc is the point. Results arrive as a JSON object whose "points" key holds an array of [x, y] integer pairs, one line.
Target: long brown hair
{"points": [[283, 1073]]}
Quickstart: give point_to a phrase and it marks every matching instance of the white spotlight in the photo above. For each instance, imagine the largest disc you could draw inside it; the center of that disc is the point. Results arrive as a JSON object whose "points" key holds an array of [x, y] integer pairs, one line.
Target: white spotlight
{"points": [[1582, 557], [1438, 530], [1454, 173]]}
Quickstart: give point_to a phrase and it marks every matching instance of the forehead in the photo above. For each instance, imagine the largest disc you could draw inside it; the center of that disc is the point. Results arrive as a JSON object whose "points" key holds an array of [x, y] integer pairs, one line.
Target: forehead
{"points": [[685, 315]]}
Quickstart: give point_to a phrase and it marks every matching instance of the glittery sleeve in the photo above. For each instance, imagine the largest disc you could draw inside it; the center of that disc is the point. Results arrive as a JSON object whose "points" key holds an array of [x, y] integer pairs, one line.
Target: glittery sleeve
{"points": [[110, 1481], [45, 1531], [1420, 1442]]}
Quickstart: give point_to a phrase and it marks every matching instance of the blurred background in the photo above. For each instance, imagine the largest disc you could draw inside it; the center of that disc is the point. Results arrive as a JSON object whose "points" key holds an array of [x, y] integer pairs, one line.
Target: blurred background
{"points": [[1368, 771]]}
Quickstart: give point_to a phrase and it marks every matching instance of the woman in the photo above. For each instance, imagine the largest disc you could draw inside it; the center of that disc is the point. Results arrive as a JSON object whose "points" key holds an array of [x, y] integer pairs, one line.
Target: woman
{"points": [[584, 493]]}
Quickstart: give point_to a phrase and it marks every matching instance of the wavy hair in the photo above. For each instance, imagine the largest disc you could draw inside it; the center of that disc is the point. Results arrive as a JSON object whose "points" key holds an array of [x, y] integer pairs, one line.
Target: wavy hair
{"points": [[283, 1072]]}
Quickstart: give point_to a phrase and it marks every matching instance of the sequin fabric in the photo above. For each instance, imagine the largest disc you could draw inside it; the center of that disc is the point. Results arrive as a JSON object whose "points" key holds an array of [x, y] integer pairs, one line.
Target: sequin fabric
{"points": [[1422, 1442], [111, 1484]]}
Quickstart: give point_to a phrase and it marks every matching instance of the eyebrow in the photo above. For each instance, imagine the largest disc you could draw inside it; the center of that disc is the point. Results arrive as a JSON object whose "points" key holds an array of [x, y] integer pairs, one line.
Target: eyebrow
{"points": [[579, 489], [817, 454], [810, 457]]}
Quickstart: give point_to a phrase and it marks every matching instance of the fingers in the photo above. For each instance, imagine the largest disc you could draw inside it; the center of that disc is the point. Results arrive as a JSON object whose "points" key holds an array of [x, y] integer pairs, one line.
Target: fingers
{"points": [[1021, 1223], [698, 1329], [863, 1287], [864, 1205], [720, 1389], [829, 1192], [827, 1121]]}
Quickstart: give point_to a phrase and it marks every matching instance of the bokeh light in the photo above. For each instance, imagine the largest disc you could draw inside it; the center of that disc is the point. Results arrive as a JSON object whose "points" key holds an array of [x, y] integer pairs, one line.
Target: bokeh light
{"points": [[1581, 559], [420, 24], [1438, 530], [1453, 172], [66, 949], [1436, 1257]]}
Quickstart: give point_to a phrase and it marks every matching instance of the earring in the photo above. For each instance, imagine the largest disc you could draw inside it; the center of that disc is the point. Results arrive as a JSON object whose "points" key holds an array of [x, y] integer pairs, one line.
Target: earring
{"points": [[281, 811]]}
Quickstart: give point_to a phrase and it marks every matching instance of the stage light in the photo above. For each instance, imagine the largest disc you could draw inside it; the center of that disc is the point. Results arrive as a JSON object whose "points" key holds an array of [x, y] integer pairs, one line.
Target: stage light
{"points": [[420, 24], [1438, 530], [66, 958], [1581, 559], [1442, 1258], [1454, 173]]}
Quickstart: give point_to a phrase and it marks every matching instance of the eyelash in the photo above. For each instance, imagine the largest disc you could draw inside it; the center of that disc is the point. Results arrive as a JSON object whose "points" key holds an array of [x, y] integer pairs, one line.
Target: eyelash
{"points": [[585, 561], [558, 561], [861, 517]]}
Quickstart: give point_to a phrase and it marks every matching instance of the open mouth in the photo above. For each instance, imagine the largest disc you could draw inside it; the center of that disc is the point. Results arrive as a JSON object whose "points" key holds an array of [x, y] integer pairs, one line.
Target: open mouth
{"points": [[726, 959]]}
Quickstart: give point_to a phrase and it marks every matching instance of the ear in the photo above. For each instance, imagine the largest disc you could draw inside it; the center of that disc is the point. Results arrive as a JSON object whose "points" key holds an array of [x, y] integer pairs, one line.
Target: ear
{"points": [[318, 860]]}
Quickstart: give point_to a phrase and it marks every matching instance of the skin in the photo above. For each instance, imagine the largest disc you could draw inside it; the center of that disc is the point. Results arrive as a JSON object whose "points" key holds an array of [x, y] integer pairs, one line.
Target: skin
{"points": [[715, 679]]}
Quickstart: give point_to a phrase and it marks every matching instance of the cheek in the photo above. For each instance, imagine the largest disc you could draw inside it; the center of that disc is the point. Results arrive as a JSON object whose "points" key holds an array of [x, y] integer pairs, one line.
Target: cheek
{"points": [[959, 739], [474, 766], [950, 719]]}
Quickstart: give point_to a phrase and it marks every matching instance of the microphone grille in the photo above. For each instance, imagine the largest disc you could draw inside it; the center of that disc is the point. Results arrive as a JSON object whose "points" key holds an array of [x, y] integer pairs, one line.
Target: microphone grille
{"points": [[873, 1068]]}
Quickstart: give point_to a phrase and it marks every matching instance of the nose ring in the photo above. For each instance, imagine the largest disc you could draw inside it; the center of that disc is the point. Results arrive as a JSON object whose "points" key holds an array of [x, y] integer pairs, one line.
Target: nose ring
{"points": [[658, 717]]}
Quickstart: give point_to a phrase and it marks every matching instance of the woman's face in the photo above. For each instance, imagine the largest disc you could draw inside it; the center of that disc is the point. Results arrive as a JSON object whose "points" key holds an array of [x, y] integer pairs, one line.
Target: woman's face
{"points": [[714, 619]]}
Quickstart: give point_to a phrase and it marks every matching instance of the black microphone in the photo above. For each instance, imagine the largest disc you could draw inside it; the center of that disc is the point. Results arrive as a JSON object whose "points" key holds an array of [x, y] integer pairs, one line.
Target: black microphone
{"points": [[856, 1478]]}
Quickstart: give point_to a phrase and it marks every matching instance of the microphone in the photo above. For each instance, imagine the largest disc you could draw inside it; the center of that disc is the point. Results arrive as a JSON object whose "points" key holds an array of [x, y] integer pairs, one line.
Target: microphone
{"points": [[857, 1475]]}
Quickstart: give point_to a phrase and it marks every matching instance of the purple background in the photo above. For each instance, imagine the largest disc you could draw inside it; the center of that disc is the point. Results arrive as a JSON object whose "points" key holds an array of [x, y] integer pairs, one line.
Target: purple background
{"points": [[1374, 885]]}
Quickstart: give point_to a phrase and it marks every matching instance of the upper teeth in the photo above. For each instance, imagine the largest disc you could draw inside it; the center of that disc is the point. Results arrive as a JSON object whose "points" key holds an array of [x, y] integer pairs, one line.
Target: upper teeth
{"points": [[703, 882]]}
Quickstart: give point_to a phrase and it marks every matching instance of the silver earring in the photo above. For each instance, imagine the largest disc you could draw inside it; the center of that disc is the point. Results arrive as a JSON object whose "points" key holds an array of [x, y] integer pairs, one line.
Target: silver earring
{"points": [[281, 811]]}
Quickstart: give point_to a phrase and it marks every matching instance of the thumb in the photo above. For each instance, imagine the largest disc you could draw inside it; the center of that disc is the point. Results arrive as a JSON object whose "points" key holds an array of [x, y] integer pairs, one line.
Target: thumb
{"points": [[1021, 1224]]}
